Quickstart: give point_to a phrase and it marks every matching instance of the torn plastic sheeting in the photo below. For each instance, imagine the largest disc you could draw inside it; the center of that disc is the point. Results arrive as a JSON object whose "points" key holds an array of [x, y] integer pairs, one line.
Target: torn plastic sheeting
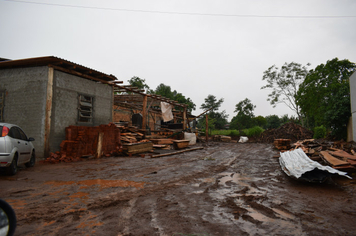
{"points": [[166, 109], [298, 165]]}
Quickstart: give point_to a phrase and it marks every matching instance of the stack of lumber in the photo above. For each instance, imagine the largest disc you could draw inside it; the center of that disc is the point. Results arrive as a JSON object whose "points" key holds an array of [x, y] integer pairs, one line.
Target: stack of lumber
{"points": [[136, 148], [130, 134], [282, 144], [87, 141]]}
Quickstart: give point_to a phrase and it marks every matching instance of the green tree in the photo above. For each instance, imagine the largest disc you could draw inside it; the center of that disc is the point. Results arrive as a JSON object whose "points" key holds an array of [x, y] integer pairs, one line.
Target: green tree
{"points": [[284, 83], [220, 117], [272, 122], [139, 83], [211, 102], [166, 91], [324, 96], [244, 117], [259, 121]]}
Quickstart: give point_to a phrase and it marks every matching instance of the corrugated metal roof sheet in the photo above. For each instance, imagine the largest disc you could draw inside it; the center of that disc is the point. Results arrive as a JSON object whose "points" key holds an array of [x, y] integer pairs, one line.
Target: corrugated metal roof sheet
{"points": [[59, 64], [298, 165]]}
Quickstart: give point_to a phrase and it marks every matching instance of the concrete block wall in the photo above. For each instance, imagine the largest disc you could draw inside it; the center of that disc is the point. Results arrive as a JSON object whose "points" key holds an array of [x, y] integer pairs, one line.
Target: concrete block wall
{"points": [[25, 101], [66, 88], [353, 103]]}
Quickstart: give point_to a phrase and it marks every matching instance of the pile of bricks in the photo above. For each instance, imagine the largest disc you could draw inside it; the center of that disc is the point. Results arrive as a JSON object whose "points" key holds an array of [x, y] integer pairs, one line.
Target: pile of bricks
{"points": [[83, 141]]}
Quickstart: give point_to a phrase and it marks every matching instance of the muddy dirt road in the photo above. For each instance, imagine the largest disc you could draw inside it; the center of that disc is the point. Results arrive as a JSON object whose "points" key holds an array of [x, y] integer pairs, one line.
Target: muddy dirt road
{"points": [[223, 189]]}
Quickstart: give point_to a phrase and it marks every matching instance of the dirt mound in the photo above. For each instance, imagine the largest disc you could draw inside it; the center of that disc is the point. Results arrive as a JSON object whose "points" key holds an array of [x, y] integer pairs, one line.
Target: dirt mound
{"points": [[287, 131]]}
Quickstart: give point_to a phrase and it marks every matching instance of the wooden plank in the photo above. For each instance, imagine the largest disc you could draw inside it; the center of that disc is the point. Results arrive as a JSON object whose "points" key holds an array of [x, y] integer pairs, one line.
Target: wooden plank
{"points": [[180, 144], [333, 161], [343, 154], [165, 141], [48, 113], [178, 152], [135, 148], [100, 145], [144, 112]]}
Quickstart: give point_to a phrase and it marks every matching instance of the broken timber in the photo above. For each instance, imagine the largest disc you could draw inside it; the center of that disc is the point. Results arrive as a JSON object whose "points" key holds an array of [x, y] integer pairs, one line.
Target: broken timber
{"points": [[178, 152], [334, 162], [135, 148]]}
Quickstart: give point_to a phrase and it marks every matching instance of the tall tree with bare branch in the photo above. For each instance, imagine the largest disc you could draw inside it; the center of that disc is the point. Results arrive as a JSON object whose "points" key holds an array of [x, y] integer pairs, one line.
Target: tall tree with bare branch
{"points": [[284, 83]]}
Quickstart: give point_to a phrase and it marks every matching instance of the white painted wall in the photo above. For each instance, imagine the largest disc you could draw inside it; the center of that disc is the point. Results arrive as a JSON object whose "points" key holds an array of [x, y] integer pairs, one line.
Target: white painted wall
{"points": [[353, 103]]}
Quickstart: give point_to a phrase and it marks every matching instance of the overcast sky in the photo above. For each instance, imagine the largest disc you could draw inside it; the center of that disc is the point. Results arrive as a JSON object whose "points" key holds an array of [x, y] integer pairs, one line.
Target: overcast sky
{"points": [[198, 47]]}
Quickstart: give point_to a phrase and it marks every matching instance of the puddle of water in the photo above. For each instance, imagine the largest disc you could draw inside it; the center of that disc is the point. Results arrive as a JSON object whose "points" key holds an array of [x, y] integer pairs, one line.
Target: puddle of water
{"points": [[283, 213], [102, 183]]}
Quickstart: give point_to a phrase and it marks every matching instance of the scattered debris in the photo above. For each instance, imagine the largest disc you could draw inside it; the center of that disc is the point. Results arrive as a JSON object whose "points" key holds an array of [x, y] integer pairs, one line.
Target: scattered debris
{"points": [[173, 153], [180, 144], [135, 148], [221, 138], [282, 144], [289, 130], [322, 151], [84, 141], [298, 165], [243, 139], [111, 140]]}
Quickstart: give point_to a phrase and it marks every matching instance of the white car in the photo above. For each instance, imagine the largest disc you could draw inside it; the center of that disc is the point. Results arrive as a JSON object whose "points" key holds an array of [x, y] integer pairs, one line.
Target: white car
{"points": [[15, 148]]}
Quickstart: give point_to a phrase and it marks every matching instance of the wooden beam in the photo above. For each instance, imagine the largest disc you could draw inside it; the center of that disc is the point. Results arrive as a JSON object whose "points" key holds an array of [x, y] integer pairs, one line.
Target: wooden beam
{"points": [[79, 74], [206, 127], [48, 112], [185, 118], [144, 112], [178, 152]]}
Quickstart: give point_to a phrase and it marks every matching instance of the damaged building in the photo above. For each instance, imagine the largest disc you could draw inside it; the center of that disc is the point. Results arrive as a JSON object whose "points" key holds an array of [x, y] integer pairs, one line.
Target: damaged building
{"points": [[45, 95]]}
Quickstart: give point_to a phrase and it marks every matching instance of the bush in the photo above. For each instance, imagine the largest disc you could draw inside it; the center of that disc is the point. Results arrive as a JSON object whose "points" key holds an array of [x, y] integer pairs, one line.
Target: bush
{"points": [[254, 132], [319, 132], [225, 132]]}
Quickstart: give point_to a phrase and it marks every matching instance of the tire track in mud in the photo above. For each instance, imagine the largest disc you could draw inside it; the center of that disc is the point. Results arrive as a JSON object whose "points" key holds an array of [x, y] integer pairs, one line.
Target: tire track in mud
{"points": [[224, 189]]}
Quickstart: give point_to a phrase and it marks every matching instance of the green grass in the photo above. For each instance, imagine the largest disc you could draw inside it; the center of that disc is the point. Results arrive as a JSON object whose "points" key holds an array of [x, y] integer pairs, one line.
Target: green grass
{"points": [[252, 132]]}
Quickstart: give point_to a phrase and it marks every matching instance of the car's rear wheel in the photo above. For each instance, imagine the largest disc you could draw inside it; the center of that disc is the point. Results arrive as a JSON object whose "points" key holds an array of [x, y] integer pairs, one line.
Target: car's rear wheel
{"points": [[32, 161], [12, 169]]}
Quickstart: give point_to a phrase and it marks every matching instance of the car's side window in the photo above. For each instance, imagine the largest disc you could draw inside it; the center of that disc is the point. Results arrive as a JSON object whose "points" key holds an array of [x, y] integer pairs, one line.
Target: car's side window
{"points": [[23, 135], [14, 133]]}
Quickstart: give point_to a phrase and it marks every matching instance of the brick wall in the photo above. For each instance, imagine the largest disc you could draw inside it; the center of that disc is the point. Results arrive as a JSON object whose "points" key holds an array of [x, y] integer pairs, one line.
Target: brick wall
{"points": [[123, 114]]}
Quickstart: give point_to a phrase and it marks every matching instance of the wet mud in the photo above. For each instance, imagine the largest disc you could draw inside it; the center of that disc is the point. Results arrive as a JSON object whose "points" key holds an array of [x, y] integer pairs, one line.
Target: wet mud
{"points": [[223, 189]]}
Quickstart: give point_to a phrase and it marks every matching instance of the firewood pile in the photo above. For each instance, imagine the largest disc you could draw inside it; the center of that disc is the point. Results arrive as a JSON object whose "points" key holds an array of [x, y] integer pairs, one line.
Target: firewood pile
{"points": [[83, 141], [290, 131], [339, 155]]}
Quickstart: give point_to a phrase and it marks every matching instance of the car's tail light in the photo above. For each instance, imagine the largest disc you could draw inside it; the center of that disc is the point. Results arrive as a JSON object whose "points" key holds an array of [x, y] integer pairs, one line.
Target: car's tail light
{"points": [[5, 131]]}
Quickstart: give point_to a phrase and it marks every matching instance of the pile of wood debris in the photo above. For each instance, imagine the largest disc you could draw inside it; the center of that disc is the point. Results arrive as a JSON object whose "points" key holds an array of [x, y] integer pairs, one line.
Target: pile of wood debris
{"points": [[289, 130], [339, 155], [108, 140]]}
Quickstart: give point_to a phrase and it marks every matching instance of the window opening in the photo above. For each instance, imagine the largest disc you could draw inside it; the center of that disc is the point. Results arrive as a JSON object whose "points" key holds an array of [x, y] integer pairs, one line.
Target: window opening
{"points": [[85, 109]]}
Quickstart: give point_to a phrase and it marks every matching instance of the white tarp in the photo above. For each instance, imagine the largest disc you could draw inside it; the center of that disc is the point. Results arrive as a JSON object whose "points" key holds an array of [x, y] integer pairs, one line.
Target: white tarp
{"points": [[166, 109], [296, 163]]}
